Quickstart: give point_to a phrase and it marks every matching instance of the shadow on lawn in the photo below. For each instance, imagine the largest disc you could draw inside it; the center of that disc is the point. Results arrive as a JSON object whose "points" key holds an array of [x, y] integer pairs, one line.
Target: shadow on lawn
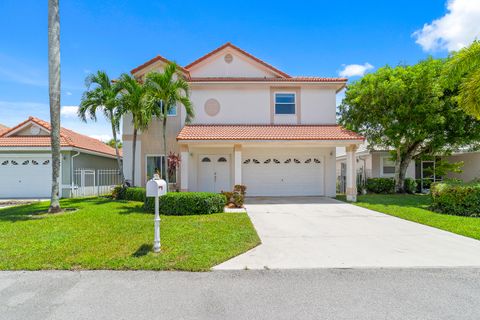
{"points": [[143, 250], [34, 210]]}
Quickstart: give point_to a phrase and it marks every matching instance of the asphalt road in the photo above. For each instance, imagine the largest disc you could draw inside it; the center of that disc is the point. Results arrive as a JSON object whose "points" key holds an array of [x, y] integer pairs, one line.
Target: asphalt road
{"points": [[264, 294]]}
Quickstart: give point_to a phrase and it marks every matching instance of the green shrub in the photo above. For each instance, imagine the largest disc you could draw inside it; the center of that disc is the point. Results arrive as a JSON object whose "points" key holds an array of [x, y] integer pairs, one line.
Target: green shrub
{"points": [[457, 198], [187, 203], [381, 185], [135, 194], [128, 193], [410, 185], [118, 193]]}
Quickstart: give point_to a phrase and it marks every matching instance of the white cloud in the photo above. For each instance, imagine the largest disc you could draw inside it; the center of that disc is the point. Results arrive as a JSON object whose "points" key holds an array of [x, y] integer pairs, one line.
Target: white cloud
{"points": [[455, 30], [101, 137], [68, 93], [355, 70], [69, 111]]}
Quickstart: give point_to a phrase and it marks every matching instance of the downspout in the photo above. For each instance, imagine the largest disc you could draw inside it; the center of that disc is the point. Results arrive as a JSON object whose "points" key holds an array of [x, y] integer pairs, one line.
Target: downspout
{"points": [[71, 172]]}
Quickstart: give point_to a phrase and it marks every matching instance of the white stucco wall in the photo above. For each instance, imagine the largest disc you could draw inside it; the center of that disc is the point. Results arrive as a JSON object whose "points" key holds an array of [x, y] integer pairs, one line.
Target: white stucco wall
{"points": [[318, 106], [251, 104], [127, 161], [238, 105], [471, 166]]}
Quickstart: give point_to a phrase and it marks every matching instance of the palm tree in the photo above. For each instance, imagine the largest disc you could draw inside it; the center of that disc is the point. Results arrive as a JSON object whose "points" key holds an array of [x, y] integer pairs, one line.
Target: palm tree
{"points": [[164, 91], [54, 93], [132, 93], [102, 95], [464, 66]]}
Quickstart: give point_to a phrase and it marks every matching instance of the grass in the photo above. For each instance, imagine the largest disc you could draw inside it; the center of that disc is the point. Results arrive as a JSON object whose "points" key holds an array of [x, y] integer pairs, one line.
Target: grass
{"points": [[105, 234], [416, 208]]}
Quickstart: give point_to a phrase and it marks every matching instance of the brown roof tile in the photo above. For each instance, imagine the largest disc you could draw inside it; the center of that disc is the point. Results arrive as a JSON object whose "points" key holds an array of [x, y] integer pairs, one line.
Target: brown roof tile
{"points": [[267, 132], [68, 138]]}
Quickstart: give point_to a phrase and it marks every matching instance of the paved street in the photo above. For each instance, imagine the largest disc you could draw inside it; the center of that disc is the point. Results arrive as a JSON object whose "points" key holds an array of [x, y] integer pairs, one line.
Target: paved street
{"points": [[318, 232], [262, 294]]}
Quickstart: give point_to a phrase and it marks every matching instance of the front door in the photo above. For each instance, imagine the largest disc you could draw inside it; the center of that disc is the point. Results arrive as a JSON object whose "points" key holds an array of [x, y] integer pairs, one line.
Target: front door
{"points": [[214, 173]]}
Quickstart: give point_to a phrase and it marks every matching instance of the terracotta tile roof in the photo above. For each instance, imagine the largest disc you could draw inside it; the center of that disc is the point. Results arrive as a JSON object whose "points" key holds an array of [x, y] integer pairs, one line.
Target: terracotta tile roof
{"points": [[228, 44], [266, 132], [68, 138], [152, 61], [250, 79]]}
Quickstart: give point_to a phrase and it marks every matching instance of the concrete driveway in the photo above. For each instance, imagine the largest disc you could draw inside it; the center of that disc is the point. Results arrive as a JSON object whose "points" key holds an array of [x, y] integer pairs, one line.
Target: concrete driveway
{"points": [[317, 232]]}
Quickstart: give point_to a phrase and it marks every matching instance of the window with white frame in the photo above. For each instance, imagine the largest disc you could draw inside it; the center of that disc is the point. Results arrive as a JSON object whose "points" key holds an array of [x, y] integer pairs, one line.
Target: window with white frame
{"points": [[172, 112], [388, 167], [155, 164], [284, 103]]}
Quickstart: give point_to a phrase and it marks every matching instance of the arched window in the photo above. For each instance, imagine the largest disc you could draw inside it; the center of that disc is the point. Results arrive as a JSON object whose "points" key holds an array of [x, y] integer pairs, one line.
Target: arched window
{"points": [[222, 159], [206, 159], [246, 161]]}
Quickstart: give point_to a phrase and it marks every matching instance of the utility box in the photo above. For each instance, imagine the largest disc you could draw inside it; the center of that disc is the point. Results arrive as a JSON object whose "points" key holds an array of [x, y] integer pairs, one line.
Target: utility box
{"points": [[156, 187]]}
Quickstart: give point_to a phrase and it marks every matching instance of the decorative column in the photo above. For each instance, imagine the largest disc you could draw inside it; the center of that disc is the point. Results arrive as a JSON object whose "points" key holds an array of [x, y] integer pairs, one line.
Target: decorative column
{"points": [[238, 163], [351, 173], [184, 155]]}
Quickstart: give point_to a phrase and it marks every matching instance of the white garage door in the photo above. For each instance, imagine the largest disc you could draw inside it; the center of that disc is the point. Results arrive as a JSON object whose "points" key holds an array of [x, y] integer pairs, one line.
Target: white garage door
{"points": [[25, 176], [282, 172]]}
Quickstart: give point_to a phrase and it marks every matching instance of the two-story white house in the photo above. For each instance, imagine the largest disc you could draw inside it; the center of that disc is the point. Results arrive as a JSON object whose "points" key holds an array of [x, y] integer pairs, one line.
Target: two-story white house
{"points": [[254, 125]]}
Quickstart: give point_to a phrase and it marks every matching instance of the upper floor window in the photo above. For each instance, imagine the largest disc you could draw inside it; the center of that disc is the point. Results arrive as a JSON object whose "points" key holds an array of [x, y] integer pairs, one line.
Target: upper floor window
{"points": [[284, 103], [172, 111]]}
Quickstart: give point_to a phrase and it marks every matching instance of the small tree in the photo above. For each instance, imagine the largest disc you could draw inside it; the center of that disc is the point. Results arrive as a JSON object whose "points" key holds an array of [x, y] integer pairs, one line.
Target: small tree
{"points": [[165, 91], [132, 94], [102, 95], [464, 67], [408, 110]]}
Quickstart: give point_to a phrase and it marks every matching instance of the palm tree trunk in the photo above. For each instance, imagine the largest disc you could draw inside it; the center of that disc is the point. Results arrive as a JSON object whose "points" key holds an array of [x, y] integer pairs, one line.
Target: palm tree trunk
{"points": [[165, 161], [54, 95], [119, 162], [134, 152]]}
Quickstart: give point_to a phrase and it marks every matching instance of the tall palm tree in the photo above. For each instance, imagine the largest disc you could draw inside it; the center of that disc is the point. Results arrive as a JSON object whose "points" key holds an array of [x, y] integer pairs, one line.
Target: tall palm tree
{"points": [[102, 95], [164, 91], [131, 98], [54, 95], [464, 66]]}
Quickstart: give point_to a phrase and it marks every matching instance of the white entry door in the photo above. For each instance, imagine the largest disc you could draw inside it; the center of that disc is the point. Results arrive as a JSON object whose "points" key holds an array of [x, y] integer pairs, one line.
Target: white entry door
{"points": [[26, 176], [214, 173]]}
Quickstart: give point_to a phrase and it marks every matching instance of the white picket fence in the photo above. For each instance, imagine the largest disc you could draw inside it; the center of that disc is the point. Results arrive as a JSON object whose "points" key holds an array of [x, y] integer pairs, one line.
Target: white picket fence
{"points": [[91, 182]]}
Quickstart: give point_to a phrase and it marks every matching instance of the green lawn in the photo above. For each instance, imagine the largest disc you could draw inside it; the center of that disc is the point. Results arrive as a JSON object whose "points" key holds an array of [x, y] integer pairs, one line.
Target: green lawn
{"points": [[105, 234], [415, 208]]}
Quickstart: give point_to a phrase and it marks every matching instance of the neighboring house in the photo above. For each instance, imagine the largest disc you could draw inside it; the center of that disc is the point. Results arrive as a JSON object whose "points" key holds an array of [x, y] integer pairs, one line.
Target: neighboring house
{"points": [[3, 128], [254, 125], [25, 156], [378, 164]]}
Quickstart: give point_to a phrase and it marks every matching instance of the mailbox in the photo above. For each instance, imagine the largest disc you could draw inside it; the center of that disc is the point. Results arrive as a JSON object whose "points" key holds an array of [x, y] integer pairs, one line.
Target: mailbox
{"points": [[156, 187]]}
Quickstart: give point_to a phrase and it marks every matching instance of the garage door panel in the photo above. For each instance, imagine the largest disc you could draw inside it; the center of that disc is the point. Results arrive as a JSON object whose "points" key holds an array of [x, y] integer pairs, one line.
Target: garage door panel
{"points": [[25, 176], [278, 172]]}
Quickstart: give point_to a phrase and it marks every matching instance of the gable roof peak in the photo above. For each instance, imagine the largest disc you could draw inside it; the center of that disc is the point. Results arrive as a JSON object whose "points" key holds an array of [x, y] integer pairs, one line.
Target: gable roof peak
{"points": [[229, 44]]}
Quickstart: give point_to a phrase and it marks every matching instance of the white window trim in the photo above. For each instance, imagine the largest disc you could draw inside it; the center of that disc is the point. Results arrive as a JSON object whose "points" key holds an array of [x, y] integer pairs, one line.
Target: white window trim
{"points": [[388, 175], [176, 112], [158, 155], [275, 103]]}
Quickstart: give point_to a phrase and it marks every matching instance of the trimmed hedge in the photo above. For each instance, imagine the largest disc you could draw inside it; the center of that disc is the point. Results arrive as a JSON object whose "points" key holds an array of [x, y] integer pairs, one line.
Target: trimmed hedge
{"points": [[456, 198], [380, 185], [129, 193], [187, 203]]}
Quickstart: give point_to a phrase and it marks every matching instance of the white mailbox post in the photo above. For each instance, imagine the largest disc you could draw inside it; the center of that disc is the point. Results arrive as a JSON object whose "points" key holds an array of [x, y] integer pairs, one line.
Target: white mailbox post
{"points": [[156, 187]]}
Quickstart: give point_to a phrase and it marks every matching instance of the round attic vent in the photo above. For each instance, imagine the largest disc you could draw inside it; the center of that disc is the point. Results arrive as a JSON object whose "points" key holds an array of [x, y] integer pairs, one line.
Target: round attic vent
{"points": [[228, 58], [212, 107], [34, 130]]}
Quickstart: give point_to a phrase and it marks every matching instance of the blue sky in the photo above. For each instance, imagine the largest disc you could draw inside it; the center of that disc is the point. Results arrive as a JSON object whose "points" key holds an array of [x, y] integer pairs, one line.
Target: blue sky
{"points": [[322, 38]]}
